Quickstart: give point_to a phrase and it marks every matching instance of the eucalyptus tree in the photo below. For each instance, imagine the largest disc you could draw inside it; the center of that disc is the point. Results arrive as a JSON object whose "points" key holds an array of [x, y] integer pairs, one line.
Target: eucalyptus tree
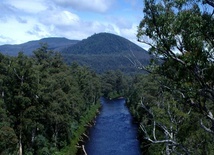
{"points": [[65, 96], [180, 35], [166, 125], [114, 84], [8, 137], [43, 102], [54, 83], [88, 82], [19, 91]]}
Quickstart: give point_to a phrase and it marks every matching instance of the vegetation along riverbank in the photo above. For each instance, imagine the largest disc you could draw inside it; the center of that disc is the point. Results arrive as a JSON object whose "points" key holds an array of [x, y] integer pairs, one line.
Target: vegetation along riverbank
{"points": [[45, 104]]}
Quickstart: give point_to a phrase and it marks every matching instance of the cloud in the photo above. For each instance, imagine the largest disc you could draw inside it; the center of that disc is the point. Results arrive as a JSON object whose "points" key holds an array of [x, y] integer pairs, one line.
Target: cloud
{"points": [[9, 11], [58, 17], [120, 21], [6, 11], [59, 22], [26, 5], [5, 40], [25, 20], [87, 5], [21, 20], [39, 31]]}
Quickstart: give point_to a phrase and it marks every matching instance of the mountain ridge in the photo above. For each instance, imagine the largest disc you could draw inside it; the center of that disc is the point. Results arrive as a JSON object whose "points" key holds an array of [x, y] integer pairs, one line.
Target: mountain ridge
{"points": [[101, 51], [28, 47], [106, 51], [103, 43]]}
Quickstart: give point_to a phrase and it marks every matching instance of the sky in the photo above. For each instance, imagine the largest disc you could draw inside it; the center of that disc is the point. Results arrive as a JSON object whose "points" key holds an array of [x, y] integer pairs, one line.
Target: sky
{"points": [[25, 20]]}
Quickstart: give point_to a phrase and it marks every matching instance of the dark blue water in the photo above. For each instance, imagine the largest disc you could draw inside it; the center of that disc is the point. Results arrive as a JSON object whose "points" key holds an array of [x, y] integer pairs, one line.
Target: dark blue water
{"points": [[114, 132]]}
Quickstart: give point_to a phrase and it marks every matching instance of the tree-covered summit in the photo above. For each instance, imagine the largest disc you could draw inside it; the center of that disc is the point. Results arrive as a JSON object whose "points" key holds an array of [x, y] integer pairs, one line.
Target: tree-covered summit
{"points": [[106, 51], [104, 43]]}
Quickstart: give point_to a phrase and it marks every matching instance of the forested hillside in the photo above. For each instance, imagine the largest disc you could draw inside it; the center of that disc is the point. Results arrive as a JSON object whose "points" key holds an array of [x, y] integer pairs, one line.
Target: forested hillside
{"points": [[54, 43], [106, 51], [44, 104], [104, 43], [101, 52]]}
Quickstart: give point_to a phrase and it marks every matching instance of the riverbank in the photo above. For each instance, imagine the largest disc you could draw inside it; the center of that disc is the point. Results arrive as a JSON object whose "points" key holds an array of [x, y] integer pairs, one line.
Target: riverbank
{"points": [[79, 134], [137, 120]]}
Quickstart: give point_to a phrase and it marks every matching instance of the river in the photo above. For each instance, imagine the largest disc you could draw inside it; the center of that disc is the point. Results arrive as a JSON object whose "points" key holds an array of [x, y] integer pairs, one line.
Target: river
{"points": [[114, 133]]}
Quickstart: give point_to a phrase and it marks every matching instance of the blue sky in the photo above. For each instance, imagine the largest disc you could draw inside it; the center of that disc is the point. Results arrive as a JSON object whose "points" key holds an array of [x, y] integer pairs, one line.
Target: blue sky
{"points": [[25, 20]]}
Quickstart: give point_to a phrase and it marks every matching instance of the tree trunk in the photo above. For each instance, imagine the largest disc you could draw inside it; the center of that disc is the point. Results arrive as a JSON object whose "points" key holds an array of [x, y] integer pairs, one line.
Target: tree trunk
{"points": [[20, 144], [83, 148], [55, 135]]}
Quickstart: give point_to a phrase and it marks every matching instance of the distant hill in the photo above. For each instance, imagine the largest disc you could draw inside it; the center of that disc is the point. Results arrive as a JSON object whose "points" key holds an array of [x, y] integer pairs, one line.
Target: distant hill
{"points": [[103, 43], [101, 52], [57, 44], [106, 51]]}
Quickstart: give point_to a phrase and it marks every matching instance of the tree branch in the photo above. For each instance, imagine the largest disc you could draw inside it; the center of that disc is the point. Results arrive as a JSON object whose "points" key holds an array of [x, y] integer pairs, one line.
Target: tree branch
{"points": [[206, 128], [210, 2]]}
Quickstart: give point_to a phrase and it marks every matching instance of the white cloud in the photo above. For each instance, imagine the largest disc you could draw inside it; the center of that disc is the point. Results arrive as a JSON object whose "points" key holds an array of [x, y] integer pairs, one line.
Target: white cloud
{"points": [[63, 23], [24, 20], [87, 5], [21, 20], [6, 11], [58, 17], [5, 40], [27, 6], [38, 30], [128, 33], [121, 22], [16, 30]]}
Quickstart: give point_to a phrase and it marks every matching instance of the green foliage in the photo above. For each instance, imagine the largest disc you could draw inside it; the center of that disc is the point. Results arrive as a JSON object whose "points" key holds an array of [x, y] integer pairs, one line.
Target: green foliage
{"points": [[8, 140], [113, 51], [178, 32], [87, 117], [41, 101], [162, 117], [114, 84], [103, 43]]}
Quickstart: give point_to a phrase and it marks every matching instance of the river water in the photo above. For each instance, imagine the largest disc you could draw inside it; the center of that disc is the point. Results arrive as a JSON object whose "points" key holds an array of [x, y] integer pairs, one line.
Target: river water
{"points": [[114, 133]]}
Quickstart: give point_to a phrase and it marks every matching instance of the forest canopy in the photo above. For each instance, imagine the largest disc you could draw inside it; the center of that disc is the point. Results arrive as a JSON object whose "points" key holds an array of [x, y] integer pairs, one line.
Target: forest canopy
{"points": [[175, 102], [44, 104]]}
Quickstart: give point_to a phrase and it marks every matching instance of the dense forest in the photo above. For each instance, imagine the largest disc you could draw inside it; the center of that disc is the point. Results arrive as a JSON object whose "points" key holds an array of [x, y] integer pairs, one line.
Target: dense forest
{"points": [[167, 123], [174, 102], [103, 43], [106, 51], [44, 104]]}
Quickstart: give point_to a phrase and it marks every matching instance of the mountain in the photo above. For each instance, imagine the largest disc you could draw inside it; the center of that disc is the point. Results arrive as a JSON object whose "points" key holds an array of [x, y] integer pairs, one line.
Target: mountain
{"points": [[106, 51], [103, 43], [101, 52], [54, 43]]}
